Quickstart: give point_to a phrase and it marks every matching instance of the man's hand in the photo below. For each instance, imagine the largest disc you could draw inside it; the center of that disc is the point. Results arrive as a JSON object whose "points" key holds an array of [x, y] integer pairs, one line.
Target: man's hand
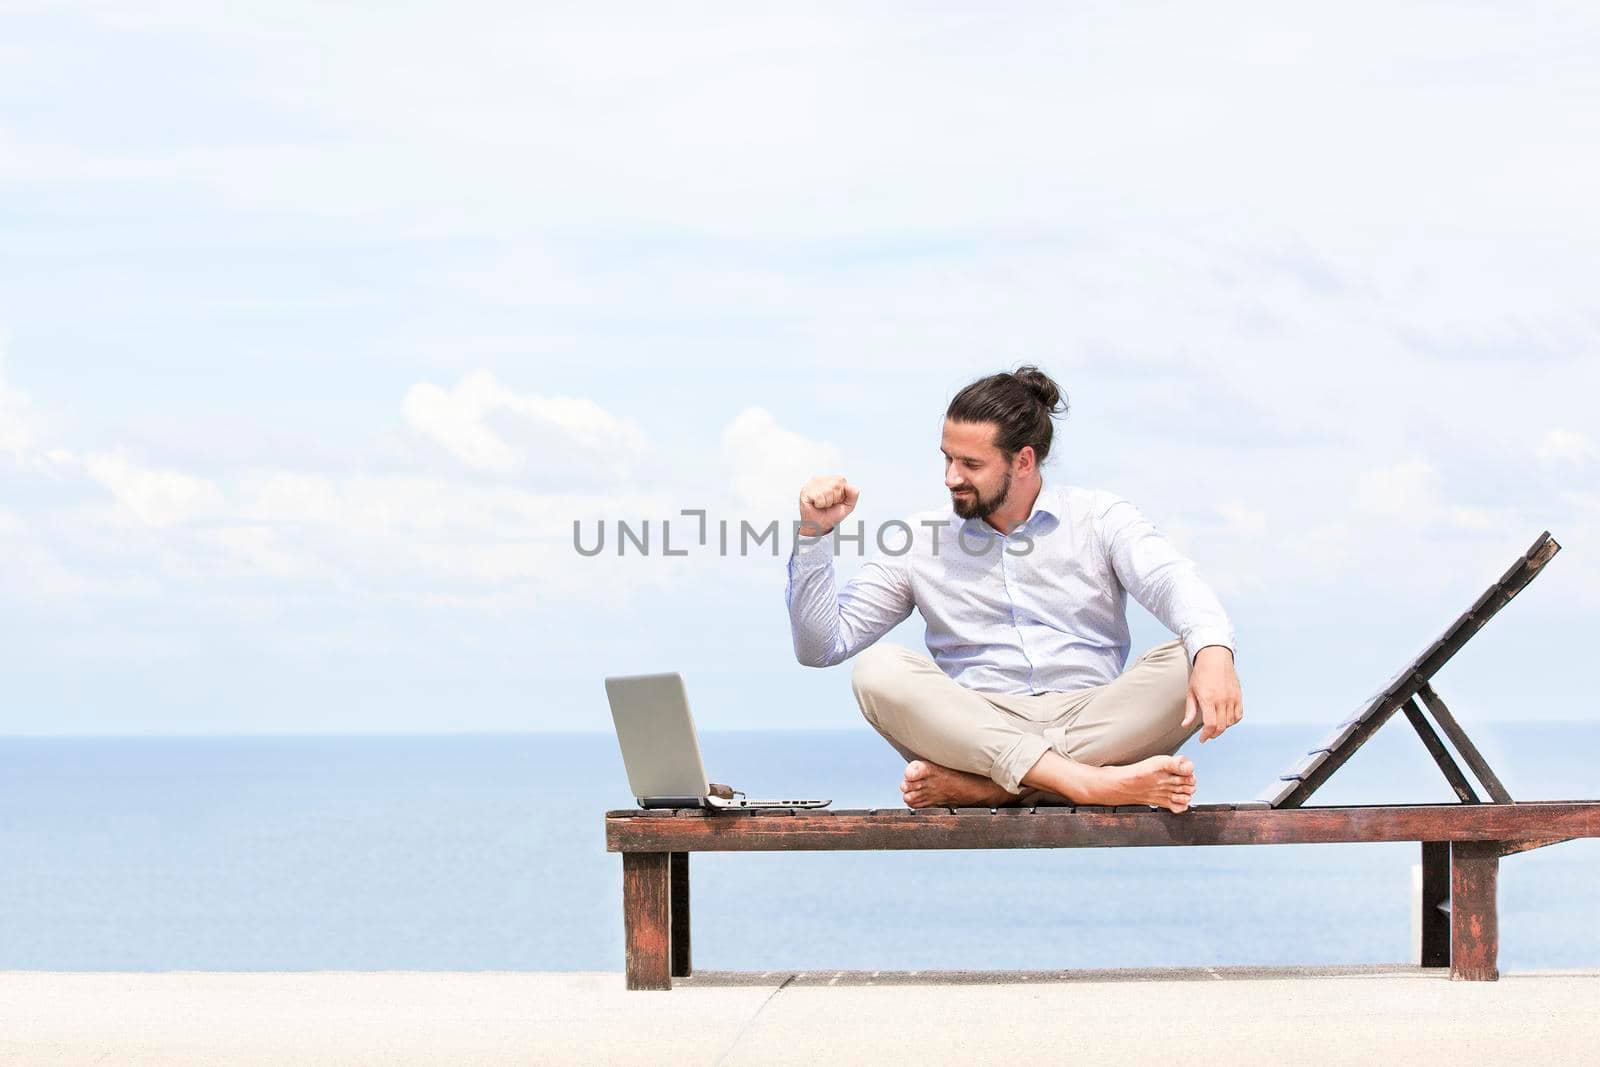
{"points": [[824, 502], [1214, 690]]}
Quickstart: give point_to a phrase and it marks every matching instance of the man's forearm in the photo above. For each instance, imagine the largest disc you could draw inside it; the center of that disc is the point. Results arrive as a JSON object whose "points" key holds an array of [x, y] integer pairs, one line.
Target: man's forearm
{"points": [[813, 603]]}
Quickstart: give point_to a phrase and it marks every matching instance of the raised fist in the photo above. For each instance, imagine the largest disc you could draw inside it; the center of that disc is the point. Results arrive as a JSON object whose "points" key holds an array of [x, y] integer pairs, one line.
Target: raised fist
{"points": [[824, 502]]}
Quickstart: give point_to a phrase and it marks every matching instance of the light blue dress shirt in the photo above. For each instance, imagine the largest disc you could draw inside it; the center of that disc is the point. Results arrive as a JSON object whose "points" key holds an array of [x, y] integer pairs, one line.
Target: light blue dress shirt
{"points": [[1041, 610]]}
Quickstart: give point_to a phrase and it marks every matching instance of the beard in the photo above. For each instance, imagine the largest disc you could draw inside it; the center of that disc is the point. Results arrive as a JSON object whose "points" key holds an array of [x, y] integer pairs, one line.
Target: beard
{"points": [[977, 506]]}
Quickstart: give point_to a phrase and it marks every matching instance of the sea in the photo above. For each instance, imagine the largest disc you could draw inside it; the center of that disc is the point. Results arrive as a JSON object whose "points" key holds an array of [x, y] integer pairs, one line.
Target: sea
{"points": [[486, 852]]}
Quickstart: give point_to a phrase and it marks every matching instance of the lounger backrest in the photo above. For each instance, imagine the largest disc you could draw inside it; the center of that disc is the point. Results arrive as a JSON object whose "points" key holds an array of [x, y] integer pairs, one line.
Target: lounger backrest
{"points": [[1290, 789]]}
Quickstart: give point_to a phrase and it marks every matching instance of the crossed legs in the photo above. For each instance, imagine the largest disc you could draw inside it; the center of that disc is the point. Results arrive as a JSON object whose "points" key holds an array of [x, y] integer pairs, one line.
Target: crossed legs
{"points": [[1112, 744]]}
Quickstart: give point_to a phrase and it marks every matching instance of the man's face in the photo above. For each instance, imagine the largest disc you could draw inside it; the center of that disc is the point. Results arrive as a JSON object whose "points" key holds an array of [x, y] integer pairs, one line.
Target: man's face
{"points": [[975, 471]]}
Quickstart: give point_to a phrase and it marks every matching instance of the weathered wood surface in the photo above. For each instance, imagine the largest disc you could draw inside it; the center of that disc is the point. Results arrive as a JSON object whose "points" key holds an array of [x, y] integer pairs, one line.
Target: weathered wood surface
{"points": [[1511, 848], [1469, 751], [1474, 911], [647, 917], [1436, 904], [1058, 827]]}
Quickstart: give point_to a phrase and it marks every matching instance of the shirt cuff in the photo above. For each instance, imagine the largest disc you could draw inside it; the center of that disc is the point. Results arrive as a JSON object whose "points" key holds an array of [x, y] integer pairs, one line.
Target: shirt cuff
{"points": [[1199, 639], [812, 552]]}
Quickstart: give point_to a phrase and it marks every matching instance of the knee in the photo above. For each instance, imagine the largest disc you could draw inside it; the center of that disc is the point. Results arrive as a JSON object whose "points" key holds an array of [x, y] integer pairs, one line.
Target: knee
{"points": [[878, 668], [1174, 676]]}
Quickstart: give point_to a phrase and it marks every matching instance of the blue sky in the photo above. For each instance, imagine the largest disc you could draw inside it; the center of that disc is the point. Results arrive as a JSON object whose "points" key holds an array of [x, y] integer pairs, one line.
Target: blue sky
{"points": [[320, 326]]}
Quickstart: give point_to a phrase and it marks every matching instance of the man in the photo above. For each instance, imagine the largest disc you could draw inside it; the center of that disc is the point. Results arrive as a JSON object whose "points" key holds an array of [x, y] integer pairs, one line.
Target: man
{"points": [[1024, 698]]}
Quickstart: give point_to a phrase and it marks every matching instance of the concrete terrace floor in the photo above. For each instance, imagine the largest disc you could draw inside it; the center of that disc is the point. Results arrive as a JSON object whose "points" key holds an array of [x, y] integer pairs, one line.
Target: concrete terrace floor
{"points": [[1233, 1016]]}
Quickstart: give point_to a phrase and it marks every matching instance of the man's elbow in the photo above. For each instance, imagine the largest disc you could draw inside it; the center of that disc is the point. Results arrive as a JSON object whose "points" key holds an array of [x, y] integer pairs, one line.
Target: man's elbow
{"points": [[811, 657]]}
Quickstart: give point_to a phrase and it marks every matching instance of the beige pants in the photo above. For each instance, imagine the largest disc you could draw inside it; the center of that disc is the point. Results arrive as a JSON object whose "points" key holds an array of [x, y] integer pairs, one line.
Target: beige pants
{"points": [[924, 714]]}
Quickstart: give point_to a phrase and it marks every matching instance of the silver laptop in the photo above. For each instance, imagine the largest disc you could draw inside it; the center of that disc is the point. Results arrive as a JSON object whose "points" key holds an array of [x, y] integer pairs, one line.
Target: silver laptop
{"points": [[661, 751]]}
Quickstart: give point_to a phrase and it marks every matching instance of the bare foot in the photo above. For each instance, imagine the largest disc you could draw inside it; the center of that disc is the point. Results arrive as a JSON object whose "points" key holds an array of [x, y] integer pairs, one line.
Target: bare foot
{"points": [[1160, 781], [928, 785]]}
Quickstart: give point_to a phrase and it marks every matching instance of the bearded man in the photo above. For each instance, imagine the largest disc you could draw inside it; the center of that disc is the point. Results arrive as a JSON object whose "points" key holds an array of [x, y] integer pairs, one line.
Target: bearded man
{"points": [[1026, 695]]}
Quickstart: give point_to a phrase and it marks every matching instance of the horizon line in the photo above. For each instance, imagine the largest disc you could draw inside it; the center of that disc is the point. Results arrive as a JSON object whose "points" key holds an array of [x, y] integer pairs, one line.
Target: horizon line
{"points": [[306, 734]]}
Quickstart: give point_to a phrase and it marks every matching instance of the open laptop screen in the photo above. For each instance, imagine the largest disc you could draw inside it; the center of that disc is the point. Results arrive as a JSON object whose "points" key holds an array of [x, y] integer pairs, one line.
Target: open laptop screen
{"points": [[656, 733]]}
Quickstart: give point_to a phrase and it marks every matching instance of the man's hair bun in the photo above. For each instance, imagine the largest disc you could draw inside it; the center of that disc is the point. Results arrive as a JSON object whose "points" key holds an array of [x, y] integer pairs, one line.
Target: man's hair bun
{"points": [[1040, 385]]}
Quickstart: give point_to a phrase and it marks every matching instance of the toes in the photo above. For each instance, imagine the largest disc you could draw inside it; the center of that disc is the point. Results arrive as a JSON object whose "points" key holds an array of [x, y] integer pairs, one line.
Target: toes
{"points": [[916, 770]]}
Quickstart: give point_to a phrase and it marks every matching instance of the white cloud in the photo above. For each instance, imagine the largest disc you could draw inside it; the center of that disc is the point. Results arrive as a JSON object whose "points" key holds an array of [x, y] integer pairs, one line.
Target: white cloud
{"points": [[490, 428], [1567, 446], [427, 537], [1243, 521], [768, 464], [152, 495], [1408, 493], [259, 550], [19, 418], [760, 118]]}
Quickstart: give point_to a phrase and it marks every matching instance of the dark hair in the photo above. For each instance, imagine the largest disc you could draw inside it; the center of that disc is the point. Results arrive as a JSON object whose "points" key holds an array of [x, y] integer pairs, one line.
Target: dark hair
{"points": [[1021, 403]]}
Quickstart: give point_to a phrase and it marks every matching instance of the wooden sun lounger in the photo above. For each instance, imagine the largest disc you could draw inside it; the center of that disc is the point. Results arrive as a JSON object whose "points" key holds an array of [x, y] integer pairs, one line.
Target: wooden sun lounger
{"points": [[1461, 843]]}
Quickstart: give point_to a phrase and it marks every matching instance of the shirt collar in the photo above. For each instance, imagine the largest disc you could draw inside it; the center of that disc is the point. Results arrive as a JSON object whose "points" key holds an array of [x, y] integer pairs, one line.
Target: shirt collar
{"points": [[1047, 511], [1048, 503]]}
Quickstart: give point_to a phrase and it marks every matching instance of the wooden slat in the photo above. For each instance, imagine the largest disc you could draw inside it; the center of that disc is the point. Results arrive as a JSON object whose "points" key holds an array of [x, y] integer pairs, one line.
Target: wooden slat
{"points": [[1308, 764], [1441, 755], [1337, 736], [1299, 790], [1469, 752], [1417, 822], [1276, 792]]}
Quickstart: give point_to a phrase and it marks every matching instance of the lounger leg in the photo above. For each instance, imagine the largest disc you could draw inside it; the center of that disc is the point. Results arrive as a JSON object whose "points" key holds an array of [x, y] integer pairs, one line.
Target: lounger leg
{"points": [[1474, 916], [1435, 894], [647, 919], [680, 915]]}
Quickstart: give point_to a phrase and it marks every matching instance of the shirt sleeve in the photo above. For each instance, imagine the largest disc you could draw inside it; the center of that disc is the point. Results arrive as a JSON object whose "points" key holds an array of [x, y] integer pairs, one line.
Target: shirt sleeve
{"points": [[831, 625], [1161, 579]]}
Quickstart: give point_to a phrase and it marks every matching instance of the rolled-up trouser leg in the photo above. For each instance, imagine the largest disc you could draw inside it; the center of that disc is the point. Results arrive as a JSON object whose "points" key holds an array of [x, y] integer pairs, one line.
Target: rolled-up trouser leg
{"points": [[924, 714]]}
